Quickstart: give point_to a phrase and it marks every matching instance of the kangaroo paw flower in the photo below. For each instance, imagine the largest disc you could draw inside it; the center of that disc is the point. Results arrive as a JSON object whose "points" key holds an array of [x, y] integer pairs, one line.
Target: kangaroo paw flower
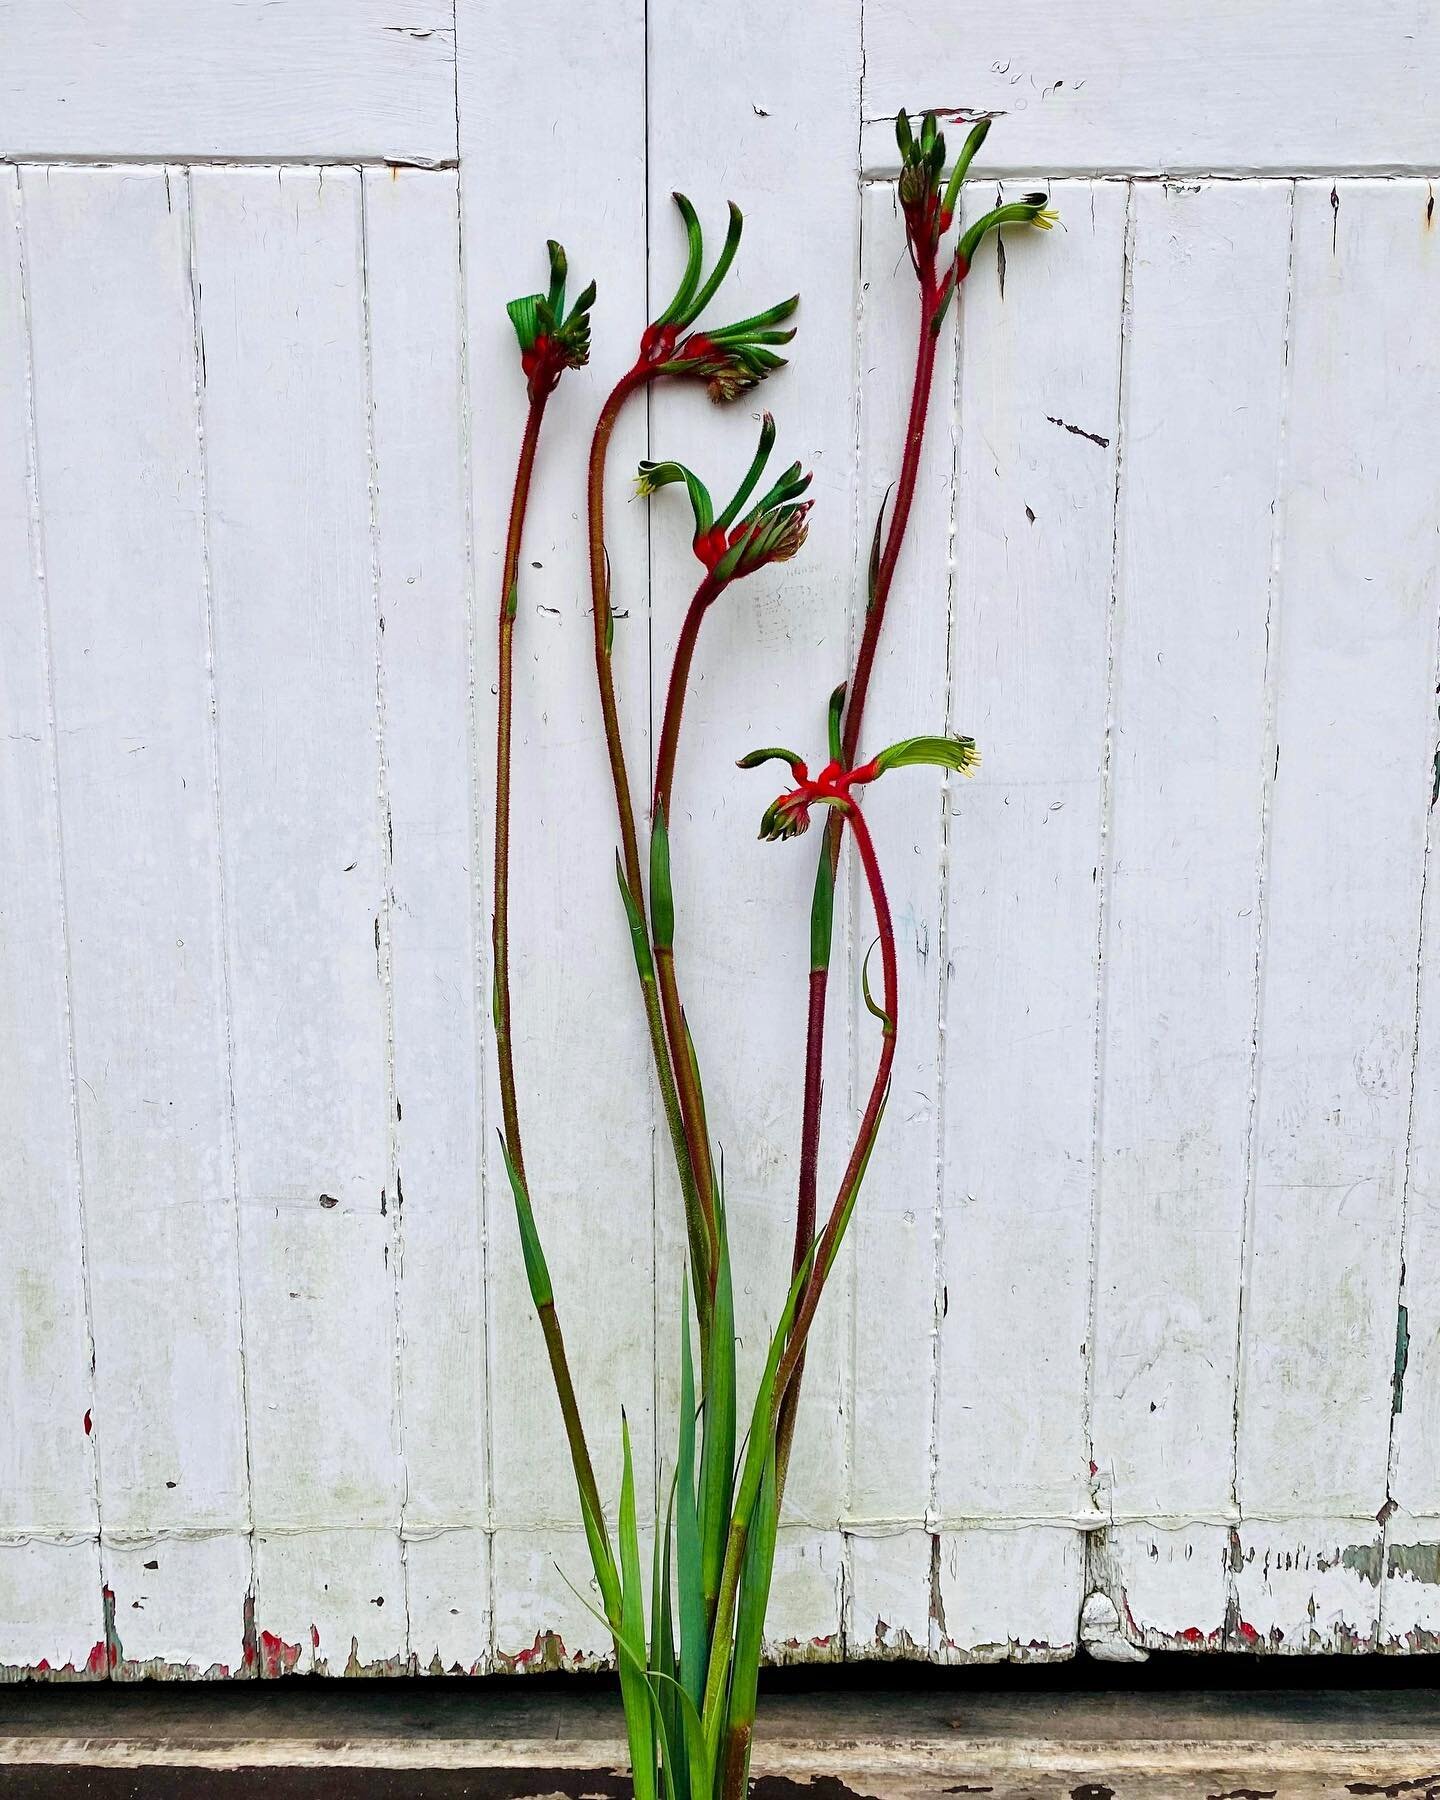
{"points": [[552, 340], [732, 546], [788, 815], [729, 359]]}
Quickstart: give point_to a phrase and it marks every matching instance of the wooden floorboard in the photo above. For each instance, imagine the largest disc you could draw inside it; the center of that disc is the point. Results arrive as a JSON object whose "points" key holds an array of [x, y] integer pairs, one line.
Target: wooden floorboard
{"points": [[494, 1743]]}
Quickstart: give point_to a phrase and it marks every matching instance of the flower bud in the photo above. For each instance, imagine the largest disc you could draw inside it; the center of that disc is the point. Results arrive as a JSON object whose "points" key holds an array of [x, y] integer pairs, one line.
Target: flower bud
{"points": [[552, 340]]}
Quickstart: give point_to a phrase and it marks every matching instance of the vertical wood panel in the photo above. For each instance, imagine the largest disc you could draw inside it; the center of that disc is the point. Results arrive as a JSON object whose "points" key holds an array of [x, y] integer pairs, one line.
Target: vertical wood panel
{"points": [[120, 479], [412, 262], [1410, 1599], [49, 1593], [1029, 649], [771, 651], [1355, 733], [1204, 397], [574, 171], [279, 258]]}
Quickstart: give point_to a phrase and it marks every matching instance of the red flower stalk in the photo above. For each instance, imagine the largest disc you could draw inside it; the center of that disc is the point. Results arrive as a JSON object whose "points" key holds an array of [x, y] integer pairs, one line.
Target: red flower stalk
{"points": [[729, 547], [730, 360], [551, 341], [929, 203], [832, 787]]}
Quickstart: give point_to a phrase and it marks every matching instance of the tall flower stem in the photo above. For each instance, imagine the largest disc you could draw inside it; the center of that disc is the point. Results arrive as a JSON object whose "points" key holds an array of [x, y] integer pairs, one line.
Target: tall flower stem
{"points": [[500, 917], [859, 687], [792, 1359], [669, 742], [698, 1200], [500, 941], [687, 1081]]}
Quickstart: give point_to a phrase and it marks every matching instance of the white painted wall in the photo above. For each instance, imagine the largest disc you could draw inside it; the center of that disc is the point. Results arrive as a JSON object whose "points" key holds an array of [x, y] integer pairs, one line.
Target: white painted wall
{"points": [[1159, 1178]]}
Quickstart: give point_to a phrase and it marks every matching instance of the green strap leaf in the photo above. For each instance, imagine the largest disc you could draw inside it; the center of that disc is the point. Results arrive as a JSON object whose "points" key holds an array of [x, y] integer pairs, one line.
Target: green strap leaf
{"points": [[871, 1005], [662, 898], [635, 1689], [822, 913], [537, 1272], [750, 1624], [639, 942], [759, 1445], [694, 1644], [717, 1453], [607, 1576], [835, 712]]}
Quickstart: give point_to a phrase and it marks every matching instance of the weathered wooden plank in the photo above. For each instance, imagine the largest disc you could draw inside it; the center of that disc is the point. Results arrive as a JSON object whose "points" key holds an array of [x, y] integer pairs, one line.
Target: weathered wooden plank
{"points": [[447, 1599], [122, 499], [1355, 732], [1007, 1593], [1204, 394], [1410, 1597], [1038, 407], [280, 270], [49, 1592], [582, 1057], [330, 1602], [178, 1606], [1245, 89], [52, 1610], [159, 78], [770, 653], [415, 339]]}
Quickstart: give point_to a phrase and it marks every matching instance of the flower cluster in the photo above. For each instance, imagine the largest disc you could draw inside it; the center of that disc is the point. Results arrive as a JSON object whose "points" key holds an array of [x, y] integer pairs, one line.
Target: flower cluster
{"points": [[929, 207], [552, 340], [729, 359], [788, 815], [731, 546]]}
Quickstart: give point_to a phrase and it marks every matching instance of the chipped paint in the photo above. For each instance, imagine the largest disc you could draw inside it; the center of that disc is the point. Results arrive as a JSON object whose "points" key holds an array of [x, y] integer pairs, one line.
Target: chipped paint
{"points": [[1402, 1359], [1362, 1560], [1416, 1562], [277, 1658]]}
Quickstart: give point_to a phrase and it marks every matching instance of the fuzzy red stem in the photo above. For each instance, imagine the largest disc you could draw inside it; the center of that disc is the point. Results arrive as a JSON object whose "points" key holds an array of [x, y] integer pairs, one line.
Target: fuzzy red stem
{"points": [[632, 379], [500, 936], [792, 1361], [899, 517], [805, 1203], [870, 1119], [705, 594], [692, 1107], [671, 1068], [500, 917], [854, 712]]}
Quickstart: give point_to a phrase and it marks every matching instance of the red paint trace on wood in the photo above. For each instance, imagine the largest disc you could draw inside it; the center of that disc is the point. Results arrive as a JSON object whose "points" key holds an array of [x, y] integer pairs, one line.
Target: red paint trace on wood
{"points": [[276, 1656]]}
